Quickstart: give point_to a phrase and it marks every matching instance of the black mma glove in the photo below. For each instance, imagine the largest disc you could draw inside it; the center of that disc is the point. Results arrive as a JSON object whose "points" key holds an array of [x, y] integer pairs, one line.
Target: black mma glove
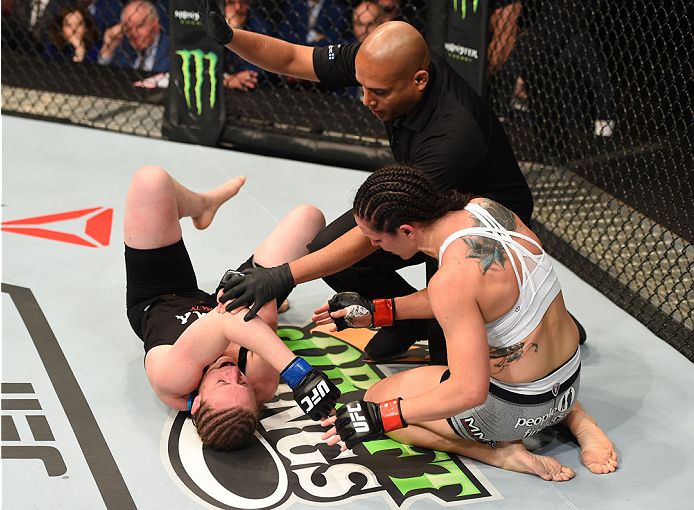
{"points": [[361, 421], [382, 311], [213, 21], [313, 391], [258, 286]]}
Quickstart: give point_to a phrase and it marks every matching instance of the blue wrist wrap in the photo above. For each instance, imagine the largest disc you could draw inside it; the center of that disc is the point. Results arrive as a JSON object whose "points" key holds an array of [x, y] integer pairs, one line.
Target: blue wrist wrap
{"points": [[295, 371]]}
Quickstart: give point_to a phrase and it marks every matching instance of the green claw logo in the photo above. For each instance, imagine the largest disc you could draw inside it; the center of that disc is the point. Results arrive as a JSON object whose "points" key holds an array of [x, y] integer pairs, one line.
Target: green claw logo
{"points": [[197, 58], [463, 7]]}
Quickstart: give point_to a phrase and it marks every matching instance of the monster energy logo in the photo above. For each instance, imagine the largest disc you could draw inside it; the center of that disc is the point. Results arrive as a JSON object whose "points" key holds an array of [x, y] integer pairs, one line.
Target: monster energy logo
{"points": [[463, 7], [198, 58]]}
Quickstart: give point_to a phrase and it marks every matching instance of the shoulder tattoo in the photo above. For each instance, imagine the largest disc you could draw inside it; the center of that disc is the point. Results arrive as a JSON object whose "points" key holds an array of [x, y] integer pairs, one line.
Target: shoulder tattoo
{"points": [[489, 251], [500, 214]]}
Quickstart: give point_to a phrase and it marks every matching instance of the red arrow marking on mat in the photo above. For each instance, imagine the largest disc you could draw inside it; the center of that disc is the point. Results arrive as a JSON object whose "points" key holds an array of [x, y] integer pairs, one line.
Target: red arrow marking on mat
{"points": [[97, 227]]}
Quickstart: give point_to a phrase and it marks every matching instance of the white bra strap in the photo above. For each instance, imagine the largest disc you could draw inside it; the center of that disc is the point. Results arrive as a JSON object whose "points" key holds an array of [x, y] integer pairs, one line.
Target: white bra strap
{"points": [[498, 234]]}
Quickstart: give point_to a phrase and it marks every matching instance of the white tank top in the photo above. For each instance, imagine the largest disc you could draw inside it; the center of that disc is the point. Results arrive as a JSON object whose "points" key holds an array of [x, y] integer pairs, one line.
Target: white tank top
{"points": [[537, 281]]}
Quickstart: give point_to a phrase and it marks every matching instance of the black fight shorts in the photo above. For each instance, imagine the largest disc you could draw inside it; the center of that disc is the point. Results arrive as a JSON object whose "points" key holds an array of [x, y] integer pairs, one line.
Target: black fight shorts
{"points": [[151, 273]]}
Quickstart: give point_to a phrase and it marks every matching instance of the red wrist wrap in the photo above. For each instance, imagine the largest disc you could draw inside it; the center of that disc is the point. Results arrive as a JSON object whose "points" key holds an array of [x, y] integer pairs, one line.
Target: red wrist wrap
{"points": [[384, 312], [390, 415]]}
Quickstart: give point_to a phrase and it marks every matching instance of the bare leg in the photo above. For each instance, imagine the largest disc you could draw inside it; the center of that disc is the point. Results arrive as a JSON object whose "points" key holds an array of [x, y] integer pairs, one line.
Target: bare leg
{"points": [[597, 451], [289, 238], [438, 435], [285, 243], [156, 202]]}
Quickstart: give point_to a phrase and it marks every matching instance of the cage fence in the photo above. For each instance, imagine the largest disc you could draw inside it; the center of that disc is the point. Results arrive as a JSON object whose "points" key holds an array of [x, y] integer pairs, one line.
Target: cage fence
{"points": [[596, 97]]}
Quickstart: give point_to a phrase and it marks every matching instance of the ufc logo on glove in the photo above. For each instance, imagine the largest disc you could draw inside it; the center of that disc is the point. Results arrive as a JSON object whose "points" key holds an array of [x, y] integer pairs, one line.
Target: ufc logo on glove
{"points": [[358, 421], [309, 402]]}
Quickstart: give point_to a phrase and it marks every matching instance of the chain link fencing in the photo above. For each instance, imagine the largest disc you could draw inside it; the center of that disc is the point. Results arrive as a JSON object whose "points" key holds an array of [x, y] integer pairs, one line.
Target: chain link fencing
{"points": [[596, 97]]}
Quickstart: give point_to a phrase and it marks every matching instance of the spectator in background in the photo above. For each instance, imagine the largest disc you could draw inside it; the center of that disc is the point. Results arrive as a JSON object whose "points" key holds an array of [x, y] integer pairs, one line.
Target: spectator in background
{"points": [[391, 9], [394, 10], [138, 41], [365, 18], [73, 35], [239, 74], [545, 63], [503, 33], [314, 22], [106, 13], [25, 24]]}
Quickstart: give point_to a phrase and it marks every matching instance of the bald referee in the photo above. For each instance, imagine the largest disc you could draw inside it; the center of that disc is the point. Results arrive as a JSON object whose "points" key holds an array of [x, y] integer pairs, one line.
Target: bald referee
{"points": [[435, 122]]}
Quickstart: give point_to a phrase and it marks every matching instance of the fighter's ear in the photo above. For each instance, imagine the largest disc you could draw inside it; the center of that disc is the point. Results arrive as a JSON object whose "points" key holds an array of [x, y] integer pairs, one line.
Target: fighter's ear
{"points": [[407, 230]]}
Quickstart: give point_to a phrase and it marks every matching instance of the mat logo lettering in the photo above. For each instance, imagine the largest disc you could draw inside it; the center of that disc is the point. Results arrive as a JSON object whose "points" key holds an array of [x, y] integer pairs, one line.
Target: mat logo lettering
{"points": [[34, 428], [289, 463], [196, 60], [14, 446]]}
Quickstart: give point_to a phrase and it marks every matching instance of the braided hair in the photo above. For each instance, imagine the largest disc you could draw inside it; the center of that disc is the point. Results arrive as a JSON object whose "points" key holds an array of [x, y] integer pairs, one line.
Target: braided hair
{"points": [[226, 429], [395, 195]]}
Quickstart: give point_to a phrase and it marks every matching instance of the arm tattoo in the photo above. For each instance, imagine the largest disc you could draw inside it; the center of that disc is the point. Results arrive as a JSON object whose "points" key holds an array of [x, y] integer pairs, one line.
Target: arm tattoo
{"points": [[506, 355], [489, 251]]}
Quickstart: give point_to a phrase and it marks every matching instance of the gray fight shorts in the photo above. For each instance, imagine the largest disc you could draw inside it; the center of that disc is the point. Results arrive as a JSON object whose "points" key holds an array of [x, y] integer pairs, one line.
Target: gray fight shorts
{"points": [[515, 411]]}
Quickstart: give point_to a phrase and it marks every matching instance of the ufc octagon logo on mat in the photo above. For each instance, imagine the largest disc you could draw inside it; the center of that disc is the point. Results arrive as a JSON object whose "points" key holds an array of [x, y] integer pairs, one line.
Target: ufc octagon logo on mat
{"points": [[288, 463]]}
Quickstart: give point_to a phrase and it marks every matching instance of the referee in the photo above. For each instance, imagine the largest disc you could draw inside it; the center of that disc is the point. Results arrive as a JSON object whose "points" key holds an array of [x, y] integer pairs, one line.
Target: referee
{"points": [[435, 122]]}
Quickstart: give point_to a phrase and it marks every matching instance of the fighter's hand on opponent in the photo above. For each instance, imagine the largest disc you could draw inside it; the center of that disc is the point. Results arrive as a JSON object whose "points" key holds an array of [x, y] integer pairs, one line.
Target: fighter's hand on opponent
{"points": [[313, 391], [361, 421], [214, 22], [256, 286], [351, 310]]}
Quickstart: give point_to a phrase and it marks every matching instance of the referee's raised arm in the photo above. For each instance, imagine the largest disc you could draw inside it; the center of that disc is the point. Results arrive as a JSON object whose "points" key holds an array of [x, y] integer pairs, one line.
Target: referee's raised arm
{"points": [[269, 53]]}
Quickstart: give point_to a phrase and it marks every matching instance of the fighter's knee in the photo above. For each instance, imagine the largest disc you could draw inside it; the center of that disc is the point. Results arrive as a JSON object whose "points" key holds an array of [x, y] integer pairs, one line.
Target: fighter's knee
{"points": [[374, 393], [311, 215], [150, 176], [150, 171]]}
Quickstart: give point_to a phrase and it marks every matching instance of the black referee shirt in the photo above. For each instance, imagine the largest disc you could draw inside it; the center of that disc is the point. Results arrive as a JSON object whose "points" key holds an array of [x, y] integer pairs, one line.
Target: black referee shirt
{"points": [[452, 135]]}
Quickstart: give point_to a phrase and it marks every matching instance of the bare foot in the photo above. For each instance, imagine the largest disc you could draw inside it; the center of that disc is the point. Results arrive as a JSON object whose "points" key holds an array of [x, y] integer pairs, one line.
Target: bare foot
{"points": [[597, 451], [216, 198], [516, 458]]}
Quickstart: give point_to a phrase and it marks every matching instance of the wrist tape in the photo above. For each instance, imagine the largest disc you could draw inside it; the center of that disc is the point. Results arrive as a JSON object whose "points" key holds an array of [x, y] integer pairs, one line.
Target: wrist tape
{"points": [[295, 371], [384, 312], [391, 415]]}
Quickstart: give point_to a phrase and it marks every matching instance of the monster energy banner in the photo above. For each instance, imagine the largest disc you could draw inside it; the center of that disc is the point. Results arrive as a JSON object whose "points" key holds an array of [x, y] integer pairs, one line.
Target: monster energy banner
{"points": [[195, 107], [466, 39]]}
